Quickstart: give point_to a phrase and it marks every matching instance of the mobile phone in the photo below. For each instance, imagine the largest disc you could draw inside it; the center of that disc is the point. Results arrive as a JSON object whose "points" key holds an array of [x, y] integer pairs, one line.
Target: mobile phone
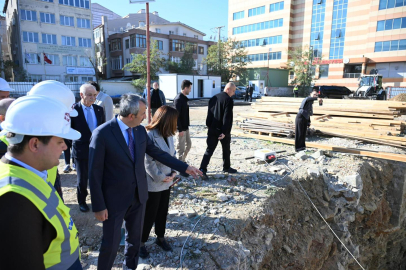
{"points": [[177, 179]]}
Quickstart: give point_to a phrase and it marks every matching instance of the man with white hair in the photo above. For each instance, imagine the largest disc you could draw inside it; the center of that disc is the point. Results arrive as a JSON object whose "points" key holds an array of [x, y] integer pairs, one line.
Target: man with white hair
{"points": [[90, 116]]}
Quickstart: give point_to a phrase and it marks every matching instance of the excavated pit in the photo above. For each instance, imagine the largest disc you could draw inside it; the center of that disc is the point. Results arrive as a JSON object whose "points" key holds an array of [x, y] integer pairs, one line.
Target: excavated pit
{"points": [[366, 210]]}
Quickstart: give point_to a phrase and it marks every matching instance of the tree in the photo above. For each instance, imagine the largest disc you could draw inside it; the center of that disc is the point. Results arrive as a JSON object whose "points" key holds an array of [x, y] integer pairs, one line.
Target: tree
{"points": [[229, 62], [97, 61], [139, 65], [302, 64], [187, 62]]}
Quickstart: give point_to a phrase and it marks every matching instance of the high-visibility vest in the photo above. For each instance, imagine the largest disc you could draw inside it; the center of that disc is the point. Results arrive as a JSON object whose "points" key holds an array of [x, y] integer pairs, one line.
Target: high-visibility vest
{"points": [[51, 173], [296, 88], [63, 251]]}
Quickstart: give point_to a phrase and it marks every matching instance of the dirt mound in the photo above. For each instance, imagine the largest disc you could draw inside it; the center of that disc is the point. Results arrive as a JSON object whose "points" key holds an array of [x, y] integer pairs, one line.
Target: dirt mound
{"points": [[400, 97]]}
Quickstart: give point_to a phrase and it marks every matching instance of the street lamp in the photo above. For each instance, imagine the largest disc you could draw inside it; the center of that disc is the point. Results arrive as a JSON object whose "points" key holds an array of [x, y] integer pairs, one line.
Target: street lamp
{"points": [[269, 51]]}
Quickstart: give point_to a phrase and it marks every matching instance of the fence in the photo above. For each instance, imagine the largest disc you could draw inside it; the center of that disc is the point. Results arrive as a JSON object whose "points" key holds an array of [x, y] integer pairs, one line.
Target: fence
{"points": [[21, 88], [394, 91]]}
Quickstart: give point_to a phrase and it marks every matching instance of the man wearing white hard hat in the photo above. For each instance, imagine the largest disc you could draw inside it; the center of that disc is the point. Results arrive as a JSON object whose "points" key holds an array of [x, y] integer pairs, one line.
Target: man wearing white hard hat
{"points": [[4, 89], [4, 104], [37, 231]]}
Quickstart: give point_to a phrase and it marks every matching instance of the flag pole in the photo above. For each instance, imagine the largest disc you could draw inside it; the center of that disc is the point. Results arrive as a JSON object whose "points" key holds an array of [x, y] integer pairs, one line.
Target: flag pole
{"points": [[45, 70]]}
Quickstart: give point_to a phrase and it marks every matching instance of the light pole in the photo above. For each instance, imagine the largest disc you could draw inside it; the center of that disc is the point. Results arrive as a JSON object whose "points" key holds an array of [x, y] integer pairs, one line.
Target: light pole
{"points": [[148, 54], [310, 63], [269, 51]]}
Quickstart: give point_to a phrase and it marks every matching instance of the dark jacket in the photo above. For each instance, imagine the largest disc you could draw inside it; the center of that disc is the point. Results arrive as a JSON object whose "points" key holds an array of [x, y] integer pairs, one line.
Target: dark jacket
{"points": [[182, 106], [306, 108], [80, 147], [113, 175], [220, 114], [3, 149], [161, 95]]}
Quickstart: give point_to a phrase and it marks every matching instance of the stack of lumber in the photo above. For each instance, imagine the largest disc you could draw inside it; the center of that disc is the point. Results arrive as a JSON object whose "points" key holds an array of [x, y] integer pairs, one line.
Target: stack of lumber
{"points": [[365, 120]]}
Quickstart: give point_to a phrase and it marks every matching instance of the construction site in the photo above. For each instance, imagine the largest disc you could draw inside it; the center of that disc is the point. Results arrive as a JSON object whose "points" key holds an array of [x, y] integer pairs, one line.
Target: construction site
{"points": [[337, 205]]}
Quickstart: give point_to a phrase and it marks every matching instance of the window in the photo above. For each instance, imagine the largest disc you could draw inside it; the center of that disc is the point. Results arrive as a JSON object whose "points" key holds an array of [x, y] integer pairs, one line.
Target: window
{"points": [[261, 41], [34, 78], [160, 45], [256, 11], [66, 21], [388, 24], [258, 26], [28, 15], [276, 6], [115, 45], [397, 23], [391, 24], [68, 41], [175, 59], [393, 45], [128, 60], [140, 41], [76, 3], [54, 59], [264, 56], [317, 26], [98, 47], [47, 17], [196, 36], [238, 15], [86, 78], [323, 71], [53, 77], [83, 23], [116, 63], [50, 1], [69, 60], [85, 62], [171, 33], [380, 26], [48, 39], [127, 43], [86, 42], [179, 46], [32, 58], [97, 33], [384, 4], [30, 37], [71, 79], [201, 50], [184, 34], [157, 30]]}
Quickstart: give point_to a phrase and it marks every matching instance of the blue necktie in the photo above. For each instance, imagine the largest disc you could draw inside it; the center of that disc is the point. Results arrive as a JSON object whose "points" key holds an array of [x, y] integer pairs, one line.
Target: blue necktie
{"points": [[131, 143], [90, 119]]}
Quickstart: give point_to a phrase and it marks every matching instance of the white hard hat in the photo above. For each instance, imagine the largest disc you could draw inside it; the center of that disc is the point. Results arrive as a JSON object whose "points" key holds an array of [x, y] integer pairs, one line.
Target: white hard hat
{"points": [[4, 86], [55, 90], [38, 116]]}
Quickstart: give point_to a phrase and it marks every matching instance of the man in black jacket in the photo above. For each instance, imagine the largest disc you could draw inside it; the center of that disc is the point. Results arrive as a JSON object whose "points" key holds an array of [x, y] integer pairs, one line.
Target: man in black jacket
{"points": [[251, 92], [247, 93], [303, 120], [219, 122], [184, 143]]}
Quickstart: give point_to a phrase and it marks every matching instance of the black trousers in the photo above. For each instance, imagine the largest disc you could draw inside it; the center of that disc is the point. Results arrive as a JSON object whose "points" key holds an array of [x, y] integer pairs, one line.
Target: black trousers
{"points": [[82, 171], [301, 124], [156, 211], [212, 141], [251, 96], [134, 219], [246, 96], [66, 153]]}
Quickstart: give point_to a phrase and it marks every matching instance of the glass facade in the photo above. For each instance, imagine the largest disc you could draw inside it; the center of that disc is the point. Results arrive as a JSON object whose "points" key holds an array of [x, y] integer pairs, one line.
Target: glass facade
{"points": [[385, 4], [338, 29], [391, 24], [258, 26], [261, 41], [256, 11], [317, 29], [276, 6], [393, 45], [264, 56], [238, 15]]}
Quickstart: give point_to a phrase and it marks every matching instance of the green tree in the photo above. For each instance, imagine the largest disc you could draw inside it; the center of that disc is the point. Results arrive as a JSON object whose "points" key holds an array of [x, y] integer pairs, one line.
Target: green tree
{"points": [[227, 59], [301, 62], [139, 65], [187, 62]]}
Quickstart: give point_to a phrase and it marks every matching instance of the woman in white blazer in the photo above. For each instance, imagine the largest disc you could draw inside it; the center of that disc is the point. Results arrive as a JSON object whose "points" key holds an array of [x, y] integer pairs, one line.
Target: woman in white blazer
{"points": [[160, 177]]}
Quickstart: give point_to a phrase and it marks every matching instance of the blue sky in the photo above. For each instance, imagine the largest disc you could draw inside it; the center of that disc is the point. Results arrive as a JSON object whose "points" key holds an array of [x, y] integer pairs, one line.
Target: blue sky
{"points": [[203, 15]]}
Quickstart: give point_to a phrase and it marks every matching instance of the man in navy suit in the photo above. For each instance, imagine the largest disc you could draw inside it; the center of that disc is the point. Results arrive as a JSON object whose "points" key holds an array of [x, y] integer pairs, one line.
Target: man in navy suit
{"points": [[90, 116], [118, 183]]}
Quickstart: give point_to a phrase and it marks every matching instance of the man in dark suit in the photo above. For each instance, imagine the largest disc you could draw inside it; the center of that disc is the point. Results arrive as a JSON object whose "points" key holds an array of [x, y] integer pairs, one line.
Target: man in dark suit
{"points": [[89, 117], [118, 183], [251, 92], [219, 122], [247, 92]]}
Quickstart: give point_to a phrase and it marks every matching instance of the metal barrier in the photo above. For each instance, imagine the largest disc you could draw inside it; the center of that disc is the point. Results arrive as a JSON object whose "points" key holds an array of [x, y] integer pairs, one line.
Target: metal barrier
{"points": [[394, 91], [21, 88]]}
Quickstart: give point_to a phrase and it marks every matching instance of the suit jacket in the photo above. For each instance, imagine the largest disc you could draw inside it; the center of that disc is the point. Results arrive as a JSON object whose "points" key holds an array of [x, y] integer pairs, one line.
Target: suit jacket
{"points": [[156, 171], [113, 175], [80, 147], [220, 114]]}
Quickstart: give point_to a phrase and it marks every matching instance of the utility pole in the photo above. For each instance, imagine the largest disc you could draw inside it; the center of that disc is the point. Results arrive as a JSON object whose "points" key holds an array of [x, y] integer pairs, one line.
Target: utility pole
{"points": [[218, 43]]}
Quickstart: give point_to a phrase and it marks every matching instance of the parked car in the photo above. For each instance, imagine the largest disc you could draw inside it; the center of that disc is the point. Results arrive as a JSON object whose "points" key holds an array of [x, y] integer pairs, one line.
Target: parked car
{"points": [[332, 91], [239, 94]]}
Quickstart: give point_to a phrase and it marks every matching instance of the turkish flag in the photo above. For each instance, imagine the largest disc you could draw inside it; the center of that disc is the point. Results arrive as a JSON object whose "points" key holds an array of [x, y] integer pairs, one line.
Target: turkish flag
{"points": [[46, 59]]}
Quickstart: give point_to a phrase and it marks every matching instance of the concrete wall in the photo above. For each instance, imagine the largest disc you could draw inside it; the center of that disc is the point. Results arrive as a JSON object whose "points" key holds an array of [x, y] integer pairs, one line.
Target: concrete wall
{"points": [[117, 88]]}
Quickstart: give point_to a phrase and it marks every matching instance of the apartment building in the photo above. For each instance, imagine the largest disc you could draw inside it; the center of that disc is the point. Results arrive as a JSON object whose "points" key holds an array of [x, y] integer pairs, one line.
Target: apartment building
{"points": [[348, 38], [117, 40], [51, 39]]}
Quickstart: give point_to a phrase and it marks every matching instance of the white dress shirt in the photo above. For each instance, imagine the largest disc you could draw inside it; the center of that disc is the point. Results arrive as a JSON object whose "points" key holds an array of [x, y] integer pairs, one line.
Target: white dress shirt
{"points": [[43, 174], [92, 113], [124, 128]]}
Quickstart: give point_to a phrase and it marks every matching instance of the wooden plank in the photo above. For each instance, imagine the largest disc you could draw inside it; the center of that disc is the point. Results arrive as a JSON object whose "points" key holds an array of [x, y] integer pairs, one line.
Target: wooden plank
{"points": [[382, 155], [321, 117], [276, 114]]}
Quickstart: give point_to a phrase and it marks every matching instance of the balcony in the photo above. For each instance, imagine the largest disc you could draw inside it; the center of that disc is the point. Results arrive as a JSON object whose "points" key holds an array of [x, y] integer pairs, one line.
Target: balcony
{"points": [[352, 75]]}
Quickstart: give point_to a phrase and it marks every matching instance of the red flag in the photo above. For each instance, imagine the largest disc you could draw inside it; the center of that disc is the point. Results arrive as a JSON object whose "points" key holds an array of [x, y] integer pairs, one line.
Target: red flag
{"points": [[46, 59]]}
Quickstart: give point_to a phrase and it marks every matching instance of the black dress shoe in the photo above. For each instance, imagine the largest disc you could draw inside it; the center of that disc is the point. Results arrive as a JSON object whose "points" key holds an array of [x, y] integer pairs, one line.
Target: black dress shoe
{"points": [[143, 252], [163, 244], [83, 207], [230, 170], [204, 176]]}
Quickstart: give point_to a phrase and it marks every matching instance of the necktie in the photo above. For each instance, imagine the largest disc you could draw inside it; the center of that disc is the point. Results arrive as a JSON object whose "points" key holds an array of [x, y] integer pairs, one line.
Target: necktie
{"points": [[131, 143], [90, 119]]}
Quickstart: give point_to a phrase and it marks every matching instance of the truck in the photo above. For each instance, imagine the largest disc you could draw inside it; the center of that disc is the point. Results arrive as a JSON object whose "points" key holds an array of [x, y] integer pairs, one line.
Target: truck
{"points": [[370, 87]]}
